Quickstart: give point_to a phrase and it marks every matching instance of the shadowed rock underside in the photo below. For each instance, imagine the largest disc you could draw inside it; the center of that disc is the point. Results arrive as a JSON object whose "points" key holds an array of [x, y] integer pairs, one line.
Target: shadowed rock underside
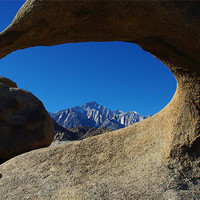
{"points": [[158, 158]]}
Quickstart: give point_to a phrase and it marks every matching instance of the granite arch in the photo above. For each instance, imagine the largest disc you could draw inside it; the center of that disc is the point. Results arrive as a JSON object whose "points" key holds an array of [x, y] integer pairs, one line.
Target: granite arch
{"points": [[166, 29]]}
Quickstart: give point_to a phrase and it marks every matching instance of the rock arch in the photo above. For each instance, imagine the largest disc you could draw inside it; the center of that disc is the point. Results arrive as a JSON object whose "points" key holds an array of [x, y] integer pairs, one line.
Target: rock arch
{"points": [[168, 30]]}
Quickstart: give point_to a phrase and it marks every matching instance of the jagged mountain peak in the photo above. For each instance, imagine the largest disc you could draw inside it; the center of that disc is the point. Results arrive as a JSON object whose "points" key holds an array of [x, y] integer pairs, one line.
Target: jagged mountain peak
{"points": [[95, 115], [91, 104]]}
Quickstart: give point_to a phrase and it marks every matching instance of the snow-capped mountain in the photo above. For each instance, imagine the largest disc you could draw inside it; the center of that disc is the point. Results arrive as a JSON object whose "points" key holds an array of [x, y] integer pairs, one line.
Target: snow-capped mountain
{"points": [[95, 115]]}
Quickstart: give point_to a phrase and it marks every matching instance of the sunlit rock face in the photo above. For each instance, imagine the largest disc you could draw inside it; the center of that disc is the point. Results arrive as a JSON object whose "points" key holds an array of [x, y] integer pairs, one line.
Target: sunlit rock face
{"points": [[157, 158], [25, 124]]}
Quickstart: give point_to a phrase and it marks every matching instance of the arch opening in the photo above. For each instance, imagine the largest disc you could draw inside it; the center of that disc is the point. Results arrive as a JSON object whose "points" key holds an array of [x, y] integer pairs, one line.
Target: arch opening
{"points": [[118, 75]]}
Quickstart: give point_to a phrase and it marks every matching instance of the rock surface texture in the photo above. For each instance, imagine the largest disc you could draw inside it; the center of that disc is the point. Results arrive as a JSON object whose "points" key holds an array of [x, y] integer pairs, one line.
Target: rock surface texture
{"points": [[25, 124], [158, 158]]}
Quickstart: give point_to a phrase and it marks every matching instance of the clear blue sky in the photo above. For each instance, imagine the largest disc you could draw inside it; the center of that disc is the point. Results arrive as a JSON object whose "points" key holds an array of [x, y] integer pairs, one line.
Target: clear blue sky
{"points": [[115, 74]]}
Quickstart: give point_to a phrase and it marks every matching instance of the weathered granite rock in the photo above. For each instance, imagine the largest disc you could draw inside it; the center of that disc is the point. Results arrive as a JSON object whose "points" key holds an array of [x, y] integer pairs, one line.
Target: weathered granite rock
{"points": [[157, 158], [24, 123]]}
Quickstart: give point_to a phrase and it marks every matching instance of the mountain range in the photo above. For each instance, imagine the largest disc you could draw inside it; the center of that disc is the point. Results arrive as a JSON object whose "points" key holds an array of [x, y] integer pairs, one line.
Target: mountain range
{"points": [[94, 115]]}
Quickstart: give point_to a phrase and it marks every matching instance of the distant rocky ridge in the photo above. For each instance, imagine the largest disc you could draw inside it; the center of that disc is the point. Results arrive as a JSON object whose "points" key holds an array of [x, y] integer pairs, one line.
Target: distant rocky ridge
{"points": [[69, 134], [94, 115]]}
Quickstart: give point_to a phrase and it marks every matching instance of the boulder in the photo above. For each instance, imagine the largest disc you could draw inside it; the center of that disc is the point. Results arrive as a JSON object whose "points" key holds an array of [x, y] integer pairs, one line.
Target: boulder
{"points": [[157, 158], [25, 124]]}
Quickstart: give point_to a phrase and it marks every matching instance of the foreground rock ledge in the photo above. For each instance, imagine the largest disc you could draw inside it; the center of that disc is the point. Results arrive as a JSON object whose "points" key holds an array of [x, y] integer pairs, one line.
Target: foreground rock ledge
{"points": [[158, 158]]}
